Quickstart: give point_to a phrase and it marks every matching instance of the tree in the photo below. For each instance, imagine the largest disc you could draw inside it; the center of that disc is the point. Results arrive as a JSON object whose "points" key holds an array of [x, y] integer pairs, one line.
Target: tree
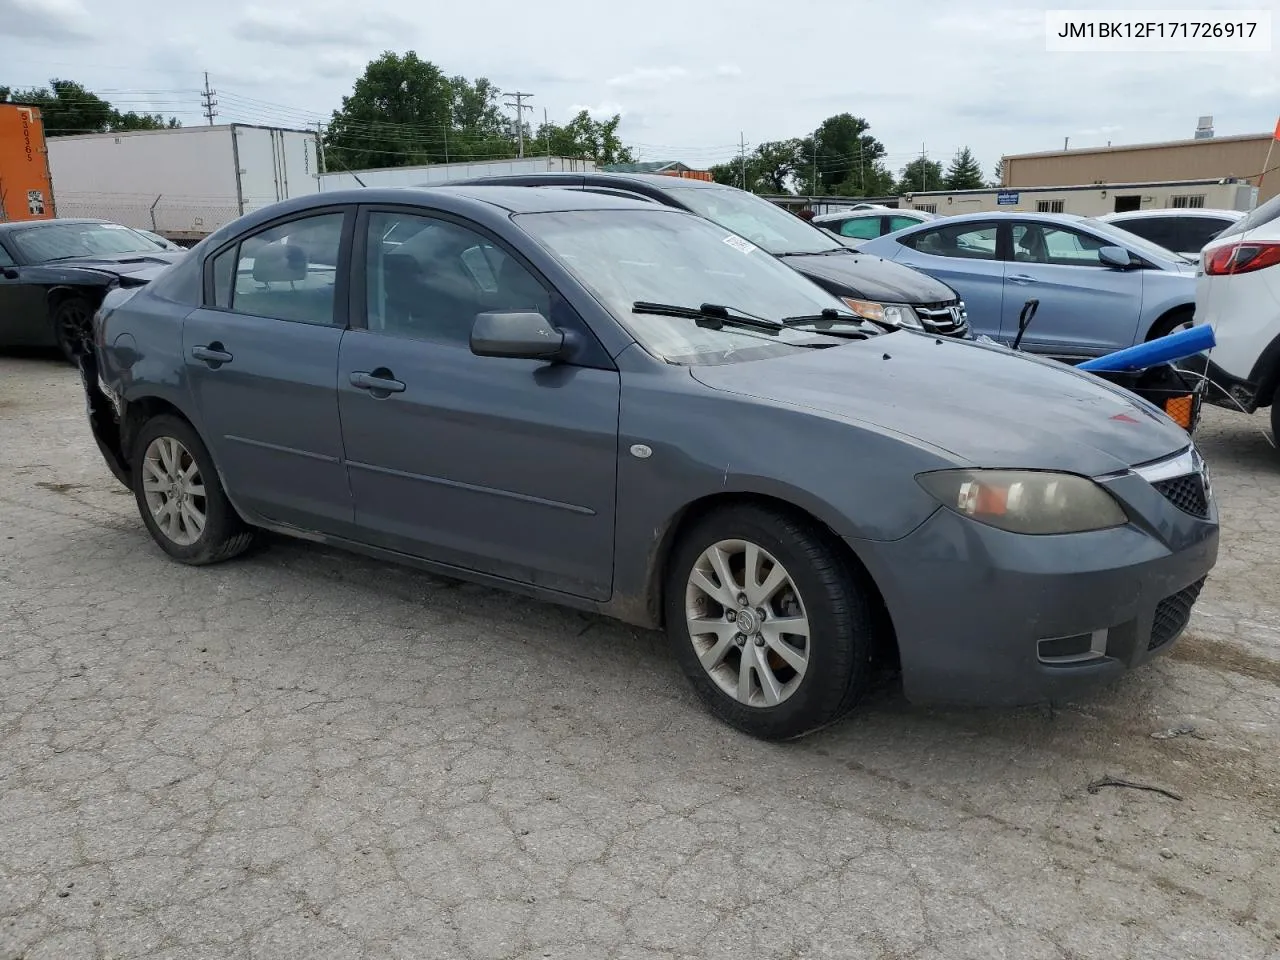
{"points": [[997, 174], [398, 114], [770, 168], [964, 173], [478, 130], [920, 174], [66, 107], [582, 138], [846, 159]]}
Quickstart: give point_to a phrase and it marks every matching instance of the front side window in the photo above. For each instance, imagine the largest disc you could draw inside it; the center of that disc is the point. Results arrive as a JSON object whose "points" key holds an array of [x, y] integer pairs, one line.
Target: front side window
{"points": [[765, 224], [1044, 243], [668, 257], [1197, 231], [426, 279], [901, 223], [861, 228], [285, 273], [55, 241], [968, 241], [1161, 231]]}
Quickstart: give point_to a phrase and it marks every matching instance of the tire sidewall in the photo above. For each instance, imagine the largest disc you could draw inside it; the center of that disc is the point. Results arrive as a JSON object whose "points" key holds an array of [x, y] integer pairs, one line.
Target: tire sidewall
{"points": [[836, 655], [219, 514], [65, 348]]}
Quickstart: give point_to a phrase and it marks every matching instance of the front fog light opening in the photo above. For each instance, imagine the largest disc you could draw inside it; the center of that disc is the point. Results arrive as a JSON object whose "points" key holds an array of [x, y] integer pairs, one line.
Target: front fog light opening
{"points": [[1075, 648]]}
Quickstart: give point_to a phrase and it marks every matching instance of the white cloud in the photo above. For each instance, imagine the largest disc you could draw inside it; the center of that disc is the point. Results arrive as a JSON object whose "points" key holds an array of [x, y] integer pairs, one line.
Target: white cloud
{"points": [[318, 25], [600, 111]]}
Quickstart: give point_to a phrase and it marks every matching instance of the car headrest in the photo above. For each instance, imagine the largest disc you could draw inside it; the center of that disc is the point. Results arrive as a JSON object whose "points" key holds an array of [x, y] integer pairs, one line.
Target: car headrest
{"points": [[279, 262]]}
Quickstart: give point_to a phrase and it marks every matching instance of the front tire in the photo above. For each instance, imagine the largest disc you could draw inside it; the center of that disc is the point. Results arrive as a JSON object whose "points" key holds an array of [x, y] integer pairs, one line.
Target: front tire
{"points": [[770, 621], [180, 497]]}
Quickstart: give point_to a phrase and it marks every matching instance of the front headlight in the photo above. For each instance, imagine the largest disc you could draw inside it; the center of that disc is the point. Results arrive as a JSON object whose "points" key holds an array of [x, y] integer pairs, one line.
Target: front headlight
{"points": [[898, 314], [1026, 501]]}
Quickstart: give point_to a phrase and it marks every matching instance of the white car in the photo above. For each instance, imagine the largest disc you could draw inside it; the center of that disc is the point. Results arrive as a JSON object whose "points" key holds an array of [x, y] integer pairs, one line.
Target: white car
{"points": [[1184, 230], [1238, 295], [870, 222]]}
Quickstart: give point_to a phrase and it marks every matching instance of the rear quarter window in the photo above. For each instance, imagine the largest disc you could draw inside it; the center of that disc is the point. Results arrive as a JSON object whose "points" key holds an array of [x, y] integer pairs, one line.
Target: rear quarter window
{"points": [[182, 283]]}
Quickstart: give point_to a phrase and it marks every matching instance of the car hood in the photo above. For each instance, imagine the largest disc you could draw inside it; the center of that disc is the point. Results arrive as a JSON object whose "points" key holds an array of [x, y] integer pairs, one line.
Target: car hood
{"points": [[138, 267], [982, 405], [870, 277]]}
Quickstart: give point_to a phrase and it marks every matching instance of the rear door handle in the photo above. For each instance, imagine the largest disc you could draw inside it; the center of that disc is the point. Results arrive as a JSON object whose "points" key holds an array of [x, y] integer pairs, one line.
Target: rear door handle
{"points": [[1021, 278], [376, 384], [213, 354]]}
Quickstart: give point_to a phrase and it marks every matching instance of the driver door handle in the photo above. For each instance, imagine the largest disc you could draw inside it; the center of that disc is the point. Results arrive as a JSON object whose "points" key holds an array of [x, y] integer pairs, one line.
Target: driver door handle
{"points": [[367, 381], [1021, 278]]}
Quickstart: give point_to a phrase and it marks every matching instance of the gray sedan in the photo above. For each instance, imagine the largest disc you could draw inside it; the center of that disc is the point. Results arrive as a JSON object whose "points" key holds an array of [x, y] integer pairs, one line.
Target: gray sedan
{"points": [[628, 409]]}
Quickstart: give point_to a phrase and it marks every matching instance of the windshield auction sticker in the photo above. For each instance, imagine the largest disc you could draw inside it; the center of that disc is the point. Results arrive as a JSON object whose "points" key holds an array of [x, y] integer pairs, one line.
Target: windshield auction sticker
{"points": [[738, 243]]}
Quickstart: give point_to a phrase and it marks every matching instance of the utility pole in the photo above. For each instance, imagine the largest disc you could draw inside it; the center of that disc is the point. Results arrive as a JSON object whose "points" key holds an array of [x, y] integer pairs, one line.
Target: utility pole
{"points": [[815, 166], [1065, 141], [207, 100], [520, 108], [546, 136], [320, 151], [742, 157], [924, 169]]}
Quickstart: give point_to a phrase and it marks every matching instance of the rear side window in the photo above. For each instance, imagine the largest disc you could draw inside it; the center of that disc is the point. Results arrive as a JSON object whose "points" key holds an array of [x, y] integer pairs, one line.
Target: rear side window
{"points": [[1162, 231], [966, 241], [5, 259], [861, 228], [1197, 231], [288, 272], [899, 223]]}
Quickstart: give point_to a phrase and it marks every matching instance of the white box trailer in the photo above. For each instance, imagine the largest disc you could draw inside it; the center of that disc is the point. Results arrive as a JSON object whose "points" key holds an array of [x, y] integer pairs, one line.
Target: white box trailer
{"points": [[443, 172], [182, 183]]}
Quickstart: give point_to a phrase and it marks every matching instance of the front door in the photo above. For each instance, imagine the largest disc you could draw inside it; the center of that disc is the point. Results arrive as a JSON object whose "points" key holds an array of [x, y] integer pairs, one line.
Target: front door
{"points": [[24, 311], [1087, 308], [503, 466], [261, 360]]}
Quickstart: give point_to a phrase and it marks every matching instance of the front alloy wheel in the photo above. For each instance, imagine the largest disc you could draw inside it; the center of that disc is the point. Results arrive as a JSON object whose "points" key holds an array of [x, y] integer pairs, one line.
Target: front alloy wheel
{"points": [[771, 618], [747, 623]]}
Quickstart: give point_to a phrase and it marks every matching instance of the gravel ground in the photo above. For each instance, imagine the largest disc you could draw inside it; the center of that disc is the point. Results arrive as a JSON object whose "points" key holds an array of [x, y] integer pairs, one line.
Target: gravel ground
{"points": [[307, 754]]}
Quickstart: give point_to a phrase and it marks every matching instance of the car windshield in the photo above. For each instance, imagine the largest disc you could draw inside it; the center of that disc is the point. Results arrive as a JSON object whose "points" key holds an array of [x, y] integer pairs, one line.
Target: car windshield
{"points": [[61, 241], [1131, 241], [1257, 217], [663, 256], [765, 224]]}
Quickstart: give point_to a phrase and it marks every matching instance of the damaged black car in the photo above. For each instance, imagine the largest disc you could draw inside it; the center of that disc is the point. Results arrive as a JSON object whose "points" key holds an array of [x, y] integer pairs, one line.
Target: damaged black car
{"points": [[55, 273]]}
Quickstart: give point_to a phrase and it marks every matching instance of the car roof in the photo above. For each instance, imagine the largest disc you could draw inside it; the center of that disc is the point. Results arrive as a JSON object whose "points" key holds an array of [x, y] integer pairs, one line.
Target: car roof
{"points": [[653, 182], [872, 212], [535, 199], [1173, 212], [1003, 215]]}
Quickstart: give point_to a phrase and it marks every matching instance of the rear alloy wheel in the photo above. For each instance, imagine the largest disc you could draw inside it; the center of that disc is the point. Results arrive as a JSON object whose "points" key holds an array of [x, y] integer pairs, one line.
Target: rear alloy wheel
{"points": [[769, 621], [180, 496], [72, 320]]}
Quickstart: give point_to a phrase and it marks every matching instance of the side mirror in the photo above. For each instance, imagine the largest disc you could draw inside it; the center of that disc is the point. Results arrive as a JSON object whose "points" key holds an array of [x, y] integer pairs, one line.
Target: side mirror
{"points": [[10, 273], [518, 334], [1115, 257]]}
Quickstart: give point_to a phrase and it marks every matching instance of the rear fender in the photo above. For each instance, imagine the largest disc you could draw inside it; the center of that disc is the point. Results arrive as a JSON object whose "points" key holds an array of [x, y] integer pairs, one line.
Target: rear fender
{"points": [[105, 417]]}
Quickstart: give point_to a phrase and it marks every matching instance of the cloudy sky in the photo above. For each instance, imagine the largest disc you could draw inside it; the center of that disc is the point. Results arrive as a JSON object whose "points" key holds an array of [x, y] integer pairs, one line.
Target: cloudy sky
{"points": [[688, 79]]}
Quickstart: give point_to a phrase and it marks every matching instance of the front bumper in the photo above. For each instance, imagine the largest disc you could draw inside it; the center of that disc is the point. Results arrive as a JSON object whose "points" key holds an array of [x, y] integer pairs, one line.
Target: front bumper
{"points": [[993, 618]]}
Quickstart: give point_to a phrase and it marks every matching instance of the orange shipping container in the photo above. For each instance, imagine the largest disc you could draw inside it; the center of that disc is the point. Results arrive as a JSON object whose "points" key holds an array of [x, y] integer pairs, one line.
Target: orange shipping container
{"points": [[26, 190]]}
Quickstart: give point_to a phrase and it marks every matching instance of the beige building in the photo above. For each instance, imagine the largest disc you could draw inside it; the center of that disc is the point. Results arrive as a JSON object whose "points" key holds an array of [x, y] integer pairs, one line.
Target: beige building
{"points": [[1207, 158], [1090, 200]]}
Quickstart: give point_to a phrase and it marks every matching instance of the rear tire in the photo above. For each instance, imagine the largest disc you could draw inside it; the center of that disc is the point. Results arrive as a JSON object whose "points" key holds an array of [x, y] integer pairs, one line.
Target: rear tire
{"points": [[1275, 419], [180, 497], [1170, 324], [796, 656], [72, 322]]}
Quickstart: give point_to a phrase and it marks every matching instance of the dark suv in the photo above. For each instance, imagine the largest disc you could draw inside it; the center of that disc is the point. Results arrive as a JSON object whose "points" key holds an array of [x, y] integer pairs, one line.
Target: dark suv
{"points": [[872, 287]]}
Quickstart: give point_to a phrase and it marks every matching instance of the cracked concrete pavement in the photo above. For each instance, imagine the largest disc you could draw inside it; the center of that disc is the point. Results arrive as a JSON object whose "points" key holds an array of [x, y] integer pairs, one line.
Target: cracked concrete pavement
{"points": [[308, 754]]}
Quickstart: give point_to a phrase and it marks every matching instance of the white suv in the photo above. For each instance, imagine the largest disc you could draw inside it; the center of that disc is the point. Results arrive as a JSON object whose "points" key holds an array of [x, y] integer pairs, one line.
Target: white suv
{"points": [[1238, 295]]}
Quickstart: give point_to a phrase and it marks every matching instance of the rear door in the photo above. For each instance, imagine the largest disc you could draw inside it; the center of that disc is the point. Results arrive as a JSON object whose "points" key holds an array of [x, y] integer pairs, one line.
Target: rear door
{"points": [[261, 366], [1087, 308], [503, 466], [965, 257]]}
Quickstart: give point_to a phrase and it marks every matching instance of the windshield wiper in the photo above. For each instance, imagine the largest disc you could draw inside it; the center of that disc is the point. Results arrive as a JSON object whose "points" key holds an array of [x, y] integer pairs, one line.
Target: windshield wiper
{"points": [[713, 316], [826, 319]]}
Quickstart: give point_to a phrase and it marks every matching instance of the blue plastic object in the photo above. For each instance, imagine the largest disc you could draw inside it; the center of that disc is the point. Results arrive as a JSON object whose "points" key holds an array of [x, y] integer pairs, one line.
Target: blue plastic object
{"points": [[1175, 346]]}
